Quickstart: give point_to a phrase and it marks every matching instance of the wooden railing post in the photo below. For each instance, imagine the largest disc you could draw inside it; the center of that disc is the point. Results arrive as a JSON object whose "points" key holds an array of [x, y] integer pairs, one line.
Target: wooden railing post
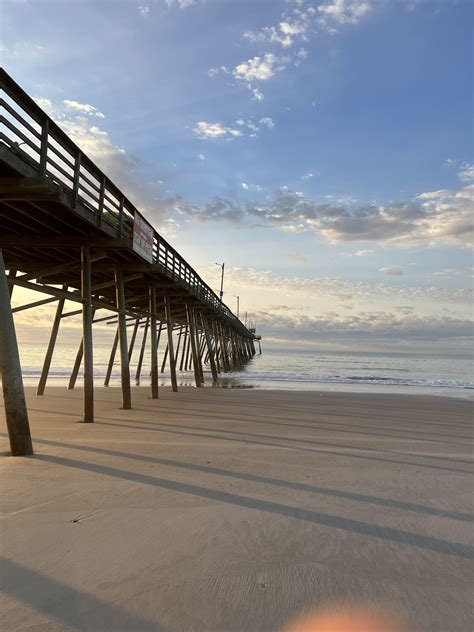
{"points": [[44, 146], [101, 200], [75, 184]]}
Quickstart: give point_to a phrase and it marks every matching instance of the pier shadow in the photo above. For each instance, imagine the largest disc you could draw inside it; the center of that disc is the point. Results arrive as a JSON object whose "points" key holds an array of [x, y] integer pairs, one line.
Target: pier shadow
{"points": [[66, 605], [321, 425], [313, 450], [349, 409], [398, 536], [304, 440], [256, 478]]}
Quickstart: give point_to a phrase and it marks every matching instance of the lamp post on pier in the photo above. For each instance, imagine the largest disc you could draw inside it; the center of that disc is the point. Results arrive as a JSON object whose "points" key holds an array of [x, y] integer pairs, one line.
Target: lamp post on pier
{"points": [[238, 304], [221, 293]]}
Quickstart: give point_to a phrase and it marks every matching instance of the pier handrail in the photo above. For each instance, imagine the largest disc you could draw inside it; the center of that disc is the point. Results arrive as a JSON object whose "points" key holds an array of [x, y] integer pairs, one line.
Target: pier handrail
{"points": [[52, 152]]}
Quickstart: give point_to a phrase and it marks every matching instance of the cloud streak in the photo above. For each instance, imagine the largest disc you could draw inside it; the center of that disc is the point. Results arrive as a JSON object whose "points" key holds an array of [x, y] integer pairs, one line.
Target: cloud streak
{"points": [[432, 218]]}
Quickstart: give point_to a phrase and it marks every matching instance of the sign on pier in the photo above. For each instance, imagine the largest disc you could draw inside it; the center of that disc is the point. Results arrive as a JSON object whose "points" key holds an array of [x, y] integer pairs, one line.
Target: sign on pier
{"points": [[143, 238]]}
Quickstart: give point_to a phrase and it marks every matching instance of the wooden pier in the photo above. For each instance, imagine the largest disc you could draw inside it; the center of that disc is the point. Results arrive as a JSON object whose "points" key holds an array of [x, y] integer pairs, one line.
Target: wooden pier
{"points": [[68, 232]]}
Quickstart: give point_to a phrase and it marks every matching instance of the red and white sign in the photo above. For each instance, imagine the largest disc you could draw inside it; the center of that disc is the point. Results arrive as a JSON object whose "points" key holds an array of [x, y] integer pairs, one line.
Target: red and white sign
{"points": [[143, 238]]}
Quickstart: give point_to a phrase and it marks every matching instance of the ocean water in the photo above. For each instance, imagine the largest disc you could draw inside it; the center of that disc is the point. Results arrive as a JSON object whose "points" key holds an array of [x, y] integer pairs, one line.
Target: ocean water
{"points": [[288, 369]]}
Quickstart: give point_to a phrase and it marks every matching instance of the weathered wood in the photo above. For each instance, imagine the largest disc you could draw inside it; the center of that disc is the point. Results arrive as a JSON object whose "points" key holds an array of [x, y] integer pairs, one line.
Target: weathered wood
{"points": [[77, 366], [200, 346], [169, 322], [44, 301], [185, 344], [165, 357], [113, 352], [209, 349], [154, 344], [132, 341], [142, 353], [178, 345], [194, 353], [11, 275], [12, 382], [122, 326], [51, 344], [86, 285]]}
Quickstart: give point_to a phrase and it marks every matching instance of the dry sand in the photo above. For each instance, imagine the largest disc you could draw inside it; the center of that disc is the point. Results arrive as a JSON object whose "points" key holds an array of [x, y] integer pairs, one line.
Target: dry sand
{"points": [[218, 510]]}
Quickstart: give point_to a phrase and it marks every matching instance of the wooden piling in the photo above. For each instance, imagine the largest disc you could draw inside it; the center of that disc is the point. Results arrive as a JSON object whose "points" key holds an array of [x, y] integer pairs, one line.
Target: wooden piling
{"points": [[122, 327], [11, 275], [209, 349], [51, 344], [169, 323], [185, 344], [113, 352], [142, 353], [165, 357], [132, 341], [154, 344], [12, 382], [86, 287], [178, 345], [192, 335]]}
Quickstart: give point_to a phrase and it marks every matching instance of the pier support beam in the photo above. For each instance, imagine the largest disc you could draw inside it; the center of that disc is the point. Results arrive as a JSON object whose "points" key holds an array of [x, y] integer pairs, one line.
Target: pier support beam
{"points": [[86, 287], [122, 328], [142, 353], [13, 393], [51, 345], [154, 343], [192, 336], [132, 341], [113, 351], [209, 349], [169, 326]]}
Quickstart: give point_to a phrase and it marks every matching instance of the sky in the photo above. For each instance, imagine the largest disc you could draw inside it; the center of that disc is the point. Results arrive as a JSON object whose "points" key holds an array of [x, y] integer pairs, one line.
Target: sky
{"points": [[322, 149]]}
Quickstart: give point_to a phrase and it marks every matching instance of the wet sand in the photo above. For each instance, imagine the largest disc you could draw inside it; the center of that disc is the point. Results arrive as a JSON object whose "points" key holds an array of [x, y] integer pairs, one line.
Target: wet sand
{"points": [[228, 510]]}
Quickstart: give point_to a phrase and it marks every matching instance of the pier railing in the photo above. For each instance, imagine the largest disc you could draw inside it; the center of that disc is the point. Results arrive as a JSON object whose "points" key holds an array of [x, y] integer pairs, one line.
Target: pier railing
{"points": [[28, 131]]}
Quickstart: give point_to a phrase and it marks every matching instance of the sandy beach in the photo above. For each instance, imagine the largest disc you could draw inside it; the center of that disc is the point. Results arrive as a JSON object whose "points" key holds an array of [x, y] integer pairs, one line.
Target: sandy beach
{"points": [[227, 510]]}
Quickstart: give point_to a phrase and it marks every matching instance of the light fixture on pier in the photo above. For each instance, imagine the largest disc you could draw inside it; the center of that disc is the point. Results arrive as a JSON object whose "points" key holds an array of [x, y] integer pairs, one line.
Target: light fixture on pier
{"points": [[221, 293]]}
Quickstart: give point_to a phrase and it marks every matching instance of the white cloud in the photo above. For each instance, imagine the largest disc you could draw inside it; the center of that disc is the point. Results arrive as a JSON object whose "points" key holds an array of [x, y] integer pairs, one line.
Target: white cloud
{"points": [[257, 95], [84, 108], [215, 130], [250, 187], [284, 34], [259, 68], [45, 104], [467, 172], [266, 120], [212, 72], [392, 271], [144, 10], [201, 157], [338, 12], [308, 176], [182, 4], [364, 253]]}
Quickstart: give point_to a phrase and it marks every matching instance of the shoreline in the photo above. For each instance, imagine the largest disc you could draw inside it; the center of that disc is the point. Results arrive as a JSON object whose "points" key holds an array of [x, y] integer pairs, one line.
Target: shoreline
{"points": [[224, 510], [301, 386]]}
